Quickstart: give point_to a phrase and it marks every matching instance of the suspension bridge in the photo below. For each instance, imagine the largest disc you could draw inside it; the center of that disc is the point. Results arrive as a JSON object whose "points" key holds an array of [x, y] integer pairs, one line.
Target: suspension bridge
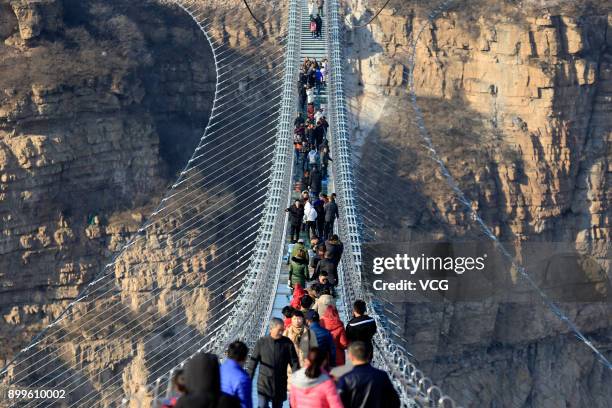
{"points": [[113, 346]]}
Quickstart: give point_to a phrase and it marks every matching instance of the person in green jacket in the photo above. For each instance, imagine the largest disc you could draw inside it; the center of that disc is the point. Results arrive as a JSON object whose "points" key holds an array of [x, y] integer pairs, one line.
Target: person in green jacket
{"points": [[298, 247], [298, 268]]}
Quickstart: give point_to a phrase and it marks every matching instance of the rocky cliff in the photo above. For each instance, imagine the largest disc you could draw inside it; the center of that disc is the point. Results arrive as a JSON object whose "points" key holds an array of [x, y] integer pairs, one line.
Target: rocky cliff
{"points": [[102, 103], [517, 99]]}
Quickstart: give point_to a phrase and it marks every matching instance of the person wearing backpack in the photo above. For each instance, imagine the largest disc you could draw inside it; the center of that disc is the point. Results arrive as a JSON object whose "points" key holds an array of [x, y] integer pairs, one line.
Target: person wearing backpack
{"points": [[313, 27]]}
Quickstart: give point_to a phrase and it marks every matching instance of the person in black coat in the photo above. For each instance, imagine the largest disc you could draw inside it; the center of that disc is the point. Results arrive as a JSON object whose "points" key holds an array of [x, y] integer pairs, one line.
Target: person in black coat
{"points": [[296, 216], [322, 284], [328, 266], [365, 386], [303, 96], [299, 120], [316, 181], [331, 213], [319, 205], [335, 247], [273, 354], [203, 385], [319, 134], [319, 23], [361, 327], [312, 78]]}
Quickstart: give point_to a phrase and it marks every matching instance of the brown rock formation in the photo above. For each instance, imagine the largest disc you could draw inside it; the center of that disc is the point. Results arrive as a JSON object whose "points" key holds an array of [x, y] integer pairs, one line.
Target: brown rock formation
{"points": [[517, 102], [101, 103]]}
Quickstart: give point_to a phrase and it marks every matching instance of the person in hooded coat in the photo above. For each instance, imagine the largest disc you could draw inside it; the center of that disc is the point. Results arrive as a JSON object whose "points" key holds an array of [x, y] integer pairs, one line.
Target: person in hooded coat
{"points": [[298, 269], [324, 300], [298, 292], [311, 386], [203, 385], [327, 265], [331, 321]]}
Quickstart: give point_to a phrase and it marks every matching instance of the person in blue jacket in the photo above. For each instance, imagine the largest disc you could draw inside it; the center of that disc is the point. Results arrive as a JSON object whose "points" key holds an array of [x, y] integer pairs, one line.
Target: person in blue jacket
{"points": [[325, 340], [235, 381]]}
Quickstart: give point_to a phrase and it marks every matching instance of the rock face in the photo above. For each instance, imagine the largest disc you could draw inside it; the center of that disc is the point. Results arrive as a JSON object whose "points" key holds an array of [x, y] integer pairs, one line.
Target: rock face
{"points": [[517, 101], [101, 103]]}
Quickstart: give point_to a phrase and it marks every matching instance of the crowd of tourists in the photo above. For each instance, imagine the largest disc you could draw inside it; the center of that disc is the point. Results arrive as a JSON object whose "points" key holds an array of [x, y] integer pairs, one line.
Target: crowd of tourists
{"points": [[310, 357]]}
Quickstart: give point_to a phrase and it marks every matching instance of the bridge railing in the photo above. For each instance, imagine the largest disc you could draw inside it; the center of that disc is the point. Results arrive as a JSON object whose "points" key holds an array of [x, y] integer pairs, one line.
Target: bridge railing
{"points": [[248, 318], [415, 389]]}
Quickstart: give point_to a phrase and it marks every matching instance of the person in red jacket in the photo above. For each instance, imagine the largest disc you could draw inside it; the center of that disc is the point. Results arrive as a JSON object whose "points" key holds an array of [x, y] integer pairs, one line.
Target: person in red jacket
{"points": [[298, 292], [311, 386], [331, 321]]}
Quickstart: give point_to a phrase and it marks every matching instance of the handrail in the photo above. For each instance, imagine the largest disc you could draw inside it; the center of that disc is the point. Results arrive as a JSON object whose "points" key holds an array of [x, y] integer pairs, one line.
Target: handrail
{"points": [[415, 391], [248, 316]]}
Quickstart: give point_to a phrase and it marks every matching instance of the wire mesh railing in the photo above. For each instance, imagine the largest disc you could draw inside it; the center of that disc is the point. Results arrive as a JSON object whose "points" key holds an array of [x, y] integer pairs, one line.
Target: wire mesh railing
{"points": [[415, 389]]}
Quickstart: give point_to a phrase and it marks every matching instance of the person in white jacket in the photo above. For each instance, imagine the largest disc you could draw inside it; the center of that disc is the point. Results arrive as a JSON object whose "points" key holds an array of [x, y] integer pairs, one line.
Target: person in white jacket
{"points": [[310, 94], [313, 8], [318, 115], [310, 214]]}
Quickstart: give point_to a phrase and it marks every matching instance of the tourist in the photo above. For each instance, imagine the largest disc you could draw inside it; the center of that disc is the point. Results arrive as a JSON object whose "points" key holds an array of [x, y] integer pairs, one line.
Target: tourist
{"points": [[331, 214], [331, 321], [365, 386], [274, 354], [301, 336], [235, 381], [335, 247], [178, 389], [203, 384], [325, 342], [311, 386], [361, 327], [296, 215]]}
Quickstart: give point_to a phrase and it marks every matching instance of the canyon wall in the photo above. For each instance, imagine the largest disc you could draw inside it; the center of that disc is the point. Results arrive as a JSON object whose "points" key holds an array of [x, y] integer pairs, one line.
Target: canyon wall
{"points": [[517, 99], [102, 104]]}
